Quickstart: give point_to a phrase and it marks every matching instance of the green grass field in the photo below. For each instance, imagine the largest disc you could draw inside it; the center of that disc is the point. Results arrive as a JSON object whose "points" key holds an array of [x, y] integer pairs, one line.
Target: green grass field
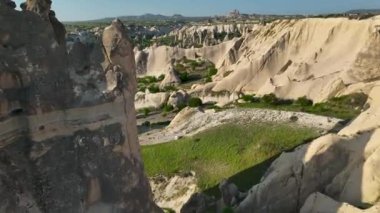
{"points": [[224, 152]]}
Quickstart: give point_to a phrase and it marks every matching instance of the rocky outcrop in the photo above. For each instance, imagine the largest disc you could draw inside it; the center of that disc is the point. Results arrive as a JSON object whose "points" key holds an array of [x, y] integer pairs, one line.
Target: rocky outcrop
{"points": [[175, 191], [209, 35], [40, 7], [155, 60], [151, 100], [61, 149], [318, 202], [171, 78], [178, 99], [343, 167], [286, 58]]}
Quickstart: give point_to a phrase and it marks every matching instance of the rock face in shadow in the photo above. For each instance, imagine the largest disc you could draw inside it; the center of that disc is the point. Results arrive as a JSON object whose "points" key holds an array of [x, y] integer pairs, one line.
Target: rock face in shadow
{"points": [[68, 137]]}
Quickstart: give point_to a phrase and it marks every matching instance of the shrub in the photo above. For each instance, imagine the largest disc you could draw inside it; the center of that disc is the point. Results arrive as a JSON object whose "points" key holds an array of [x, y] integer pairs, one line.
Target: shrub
{"points": [[161, 77], [184, 76], [195, 102], [147, 80], [303, 101], [208, 79], [247, 98], [180, 67], [153, 88], [198, 45], [228, 210], [354, 100], [284, 102], [270, 99], [212, 71], [181, 106], [193, 65], [141, 87], [146, 123], [145, 111], [169, 88], [166, 210], [167, 108]]}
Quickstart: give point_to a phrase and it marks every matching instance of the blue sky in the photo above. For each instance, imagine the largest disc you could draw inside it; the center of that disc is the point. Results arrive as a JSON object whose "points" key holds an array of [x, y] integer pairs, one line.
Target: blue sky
{"points": [[72, 10]]}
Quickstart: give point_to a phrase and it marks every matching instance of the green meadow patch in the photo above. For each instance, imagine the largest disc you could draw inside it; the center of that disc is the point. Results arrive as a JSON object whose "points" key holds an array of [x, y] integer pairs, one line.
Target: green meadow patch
{"points": [[225, 151]]}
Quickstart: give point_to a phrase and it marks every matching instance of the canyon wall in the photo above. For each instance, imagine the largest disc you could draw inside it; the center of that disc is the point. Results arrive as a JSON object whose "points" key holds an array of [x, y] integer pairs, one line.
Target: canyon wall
{"points": [[68, 136], [209, 35], [317, 58]]}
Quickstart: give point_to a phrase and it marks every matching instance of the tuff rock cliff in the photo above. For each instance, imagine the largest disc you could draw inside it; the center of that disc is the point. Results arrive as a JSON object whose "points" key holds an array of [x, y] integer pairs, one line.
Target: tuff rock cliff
{"points": [[209, 35], [317, 58], [68, 137]]}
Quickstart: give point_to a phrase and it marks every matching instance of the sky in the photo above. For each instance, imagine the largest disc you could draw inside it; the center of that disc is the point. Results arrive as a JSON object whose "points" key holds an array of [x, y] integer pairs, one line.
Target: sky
{"points": [[79, 10]]}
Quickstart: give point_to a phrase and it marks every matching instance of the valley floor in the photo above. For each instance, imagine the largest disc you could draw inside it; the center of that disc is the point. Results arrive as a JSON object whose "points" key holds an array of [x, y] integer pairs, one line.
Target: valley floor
{"points": [[239, 151], [192, 121]]}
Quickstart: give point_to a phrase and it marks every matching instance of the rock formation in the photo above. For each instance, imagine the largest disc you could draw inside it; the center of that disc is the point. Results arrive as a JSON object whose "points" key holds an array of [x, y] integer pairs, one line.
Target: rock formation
{"points": [[63, 149], [178, 99], [151, 100], [189, 36], [317, 58], [40, 7], [171, 78], [335, 173], [155, 60]]}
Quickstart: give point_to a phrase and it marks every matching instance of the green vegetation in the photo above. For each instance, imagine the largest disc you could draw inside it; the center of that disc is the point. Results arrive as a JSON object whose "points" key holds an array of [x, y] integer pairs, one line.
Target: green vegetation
{"points": [[166, 41], [153, 88], [145, 111], [224, 151], [151, 83], [195, 102], [169, 88], [74, 26], [228, 210], [344, 107], [195, 71], [222, 35], [167, 108], [147, 41], [148, 80], [166, 210], [184, 76], [303, 101], [249, 98], [212, 71]]}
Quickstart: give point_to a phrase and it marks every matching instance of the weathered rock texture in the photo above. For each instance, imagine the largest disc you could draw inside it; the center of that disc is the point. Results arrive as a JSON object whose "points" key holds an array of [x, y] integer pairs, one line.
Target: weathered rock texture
{"points": [[68, 137], [317, 58], [343, 169], [208, 35]]}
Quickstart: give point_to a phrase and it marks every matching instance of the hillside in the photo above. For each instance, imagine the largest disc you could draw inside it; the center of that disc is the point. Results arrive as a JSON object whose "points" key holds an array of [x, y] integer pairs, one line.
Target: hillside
{"points": [[317, 58]]}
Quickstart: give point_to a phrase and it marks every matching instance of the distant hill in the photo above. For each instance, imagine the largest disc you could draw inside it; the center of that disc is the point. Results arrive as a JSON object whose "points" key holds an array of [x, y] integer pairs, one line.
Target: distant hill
{"points": [[148, 18], [365, 11]]}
